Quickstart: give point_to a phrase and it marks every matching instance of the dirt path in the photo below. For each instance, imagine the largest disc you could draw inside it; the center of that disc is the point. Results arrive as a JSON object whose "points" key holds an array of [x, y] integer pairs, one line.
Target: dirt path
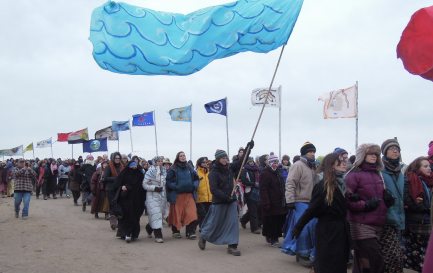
{"points": [[59, 237]]}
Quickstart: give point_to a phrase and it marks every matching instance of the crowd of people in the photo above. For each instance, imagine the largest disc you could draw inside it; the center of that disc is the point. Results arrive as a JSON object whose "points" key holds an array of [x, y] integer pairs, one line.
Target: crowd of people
{"points": [[370, 210]]}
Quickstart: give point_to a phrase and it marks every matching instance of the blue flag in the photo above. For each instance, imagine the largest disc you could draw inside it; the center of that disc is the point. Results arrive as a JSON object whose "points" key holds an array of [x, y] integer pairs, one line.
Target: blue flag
{"points": [[139, 41], [217, 107], [120, 125], [181, 114], [145, 119], [95, 145]]}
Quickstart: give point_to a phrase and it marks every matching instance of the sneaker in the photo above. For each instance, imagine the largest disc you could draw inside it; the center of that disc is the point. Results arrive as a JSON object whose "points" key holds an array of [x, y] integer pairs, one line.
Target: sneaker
{"points": [[159, 240], [275, 244], [233, 251], [128, 239], [68, 196], [201, 243], [177, 235], [191, 236], [257, 231]]}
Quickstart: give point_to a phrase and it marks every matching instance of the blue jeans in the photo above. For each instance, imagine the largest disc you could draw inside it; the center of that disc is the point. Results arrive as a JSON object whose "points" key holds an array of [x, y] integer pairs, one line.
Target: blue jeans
{"points": [[22, 197]]}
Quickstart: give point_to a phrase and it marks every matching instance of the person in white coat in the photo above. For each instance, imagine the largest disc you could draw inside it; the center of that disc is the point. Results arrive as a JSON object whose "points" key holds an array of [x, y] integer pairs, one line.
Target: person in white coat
{"points": [[156, 200]]}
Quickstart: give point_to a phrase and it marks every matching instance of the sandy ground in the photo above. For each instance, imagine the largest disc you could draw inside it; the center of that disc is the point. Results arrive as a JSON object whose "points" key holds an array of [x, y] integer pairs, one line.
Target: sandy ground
{"points": [[59, 237]]}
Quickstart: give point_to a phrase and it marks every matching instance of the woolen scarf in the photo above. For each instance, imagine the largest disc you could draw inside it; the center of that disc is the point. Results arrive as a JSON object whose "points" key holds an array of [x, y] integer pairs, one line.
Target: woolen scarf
{"points": [[310, 162], [392, 165], [415, 184]]}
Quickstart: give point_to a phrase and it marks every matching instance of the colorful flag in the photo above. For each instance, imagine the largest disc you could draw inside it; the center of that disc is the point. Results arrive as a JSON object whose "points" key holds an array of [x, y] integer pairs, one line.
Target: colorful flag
{"points": [[181, 114], [258, 97], [217, 107], [44, 143], [340, 103], [78, 137], [29, 148], [63, 137], [95, 145], [145, 119], [133, 40], [107, 133], [120, 125], [17, 151]]}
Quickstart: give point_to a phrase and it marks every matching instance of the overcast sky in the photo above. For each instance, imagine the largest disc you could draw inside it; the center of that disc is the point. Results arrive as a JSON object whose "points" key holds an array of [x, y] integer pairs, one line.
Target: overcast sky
{"points": [[49, 83]]}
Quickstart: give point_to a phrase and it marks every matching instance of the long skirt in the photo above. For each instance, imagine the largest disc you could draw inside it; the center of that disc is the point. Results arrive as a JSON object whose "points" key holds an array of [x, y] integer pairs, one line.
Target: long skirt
{"points": [[304, 245], [100, 203], [415, 248], [183, 212], [221, 225], [273, 226], [391, 249], [368, 256]]}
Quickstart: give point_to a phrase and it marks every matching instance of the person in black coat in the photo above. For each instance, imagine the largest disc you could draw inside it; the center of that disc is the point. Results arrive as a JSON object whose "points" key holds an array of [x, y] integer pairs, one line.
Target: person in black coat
{"points": [[328, 204], [86, 170], [273, 201], [250, 180], [131, 200]]}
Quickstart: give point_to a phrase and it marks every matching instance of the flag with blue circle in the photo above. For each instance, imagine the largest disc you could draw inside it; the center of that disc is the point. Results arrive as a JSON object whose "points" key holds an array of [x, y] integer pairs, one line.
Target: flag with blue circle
{"points": [[145, 119], [120, 125], [217, 107], [95, 145]]}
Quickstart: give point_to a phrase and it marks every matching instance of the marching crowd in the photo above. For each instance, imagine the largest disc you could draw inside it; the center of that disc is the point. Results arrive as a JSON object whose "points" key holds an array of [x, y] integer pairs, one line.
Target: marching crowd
{"points": [[370, 209]]}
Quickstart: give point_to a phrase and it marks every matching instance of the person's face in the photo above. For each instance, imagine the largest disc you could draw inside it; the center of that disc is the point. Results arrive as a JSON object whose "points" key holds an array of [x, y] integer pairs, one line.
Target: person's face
{"points": [[251, 163], [241, 153], [224, 161], [20, 164], [117, 159], [310, 155], [167, 166], [204, 164], [371, 158], [340, 166], [124, 159], [393, 152], [182, 157], [285, 162], [274, 165], [159, 163], [104, 165], [344, 158], [425, 168]]}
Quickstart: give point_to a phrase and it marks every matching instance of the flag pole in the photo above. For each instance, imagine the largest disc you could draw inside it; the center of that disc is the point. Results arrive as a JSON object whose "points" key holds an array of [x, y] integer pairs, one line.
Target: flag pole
{"points": [[356, 134], [227, 127], [51, 149], [72, 151], [130, 135], [190, 136], [156, 137], [33, 150], [279, 123]]}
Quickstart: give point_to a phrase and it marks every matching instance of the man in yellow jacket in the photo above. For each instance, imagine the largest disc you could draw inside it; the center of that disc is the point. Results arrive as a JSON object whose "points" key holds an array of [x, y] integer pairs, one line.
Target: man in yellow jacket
{"points": [[204, 196]]}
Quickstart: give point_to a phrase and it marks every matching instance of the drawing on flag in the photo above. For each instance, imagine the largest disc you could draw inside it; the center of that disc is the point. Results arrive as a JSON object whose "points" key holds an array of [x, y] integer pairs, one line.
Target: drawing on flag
{"points": [[341, 103], [95, 145], [107, 133], [181, 114], [258, 97], [145, 119], [44, 143], [78, 137], [217, 107], [120, 125], [17, 151]]}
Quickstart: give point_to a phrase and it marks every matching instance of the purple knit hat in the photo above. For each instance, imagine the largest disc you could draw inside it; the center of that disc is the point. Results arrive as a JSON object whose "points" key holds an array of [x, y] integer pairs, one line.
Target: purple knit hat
{"points": [[430, 149]]}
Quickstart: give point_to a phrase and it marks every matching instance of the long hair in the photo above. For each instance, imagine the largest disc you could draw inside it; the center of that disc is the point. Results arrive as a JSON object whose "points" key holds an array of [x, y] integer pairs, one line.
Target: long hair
{"points": [[415, 165], [176, 161], [329, 177]]}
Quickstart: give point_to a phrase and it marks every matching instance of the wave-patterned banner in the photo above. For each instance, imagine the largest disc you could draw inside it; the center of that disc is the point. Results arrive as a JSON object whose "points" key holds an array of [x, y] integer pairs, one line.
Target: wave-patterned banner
{"points": [[132, 40]]}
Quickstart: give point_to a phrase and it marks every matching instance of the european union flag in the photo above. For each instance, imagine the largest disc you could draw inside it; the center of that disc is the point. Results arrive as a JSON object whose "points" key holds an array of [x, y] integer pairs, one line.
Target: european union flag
{"points": [[95, 145], [181, 114], [217, 107], [120, 126], [145, 119]]}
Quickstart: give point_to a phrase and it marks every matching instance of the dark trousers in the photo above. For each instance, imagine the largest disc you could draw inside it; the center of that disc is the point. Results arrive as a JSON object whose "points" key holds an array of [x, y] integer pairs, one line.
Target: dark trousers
{"points": [[368, 256], [38, 190], [157, 232], [251, 215], [202, 209], [190, 229], [76, 196]]}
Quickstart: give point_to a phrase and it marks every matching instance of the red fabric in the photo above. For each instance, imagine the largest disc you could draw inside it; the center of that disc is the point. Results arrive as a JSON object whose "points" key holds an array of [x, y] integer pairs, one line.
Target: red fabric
{"points": [[415, 48], [62, 137], [415, 185]]}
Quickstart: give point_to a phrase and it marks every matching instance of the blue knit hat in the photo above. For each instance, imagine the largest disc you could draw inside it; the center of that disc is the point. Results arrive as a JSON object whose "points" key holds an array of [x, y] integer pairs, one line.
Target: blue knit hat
{"points": [[340, 151]]}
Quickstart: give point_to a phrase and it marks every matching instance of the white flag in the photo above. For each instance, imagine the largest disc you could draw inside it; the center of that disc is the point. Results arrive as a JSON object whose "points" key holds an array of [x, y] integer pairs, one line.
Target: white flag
{"points": [[258, 97], [340, 103], [44, 143]]}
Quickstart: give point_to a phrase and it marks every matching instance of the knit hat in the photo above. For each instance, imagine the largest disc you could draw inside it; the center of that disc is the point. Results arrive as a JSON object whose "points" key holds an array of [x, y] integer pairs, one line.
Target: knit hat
{"points": [[307, 147], [430, 149], [340, 151], [285, 157], [272, 159], [388, 144], [90, 157], [220, 154], [132, 164]]}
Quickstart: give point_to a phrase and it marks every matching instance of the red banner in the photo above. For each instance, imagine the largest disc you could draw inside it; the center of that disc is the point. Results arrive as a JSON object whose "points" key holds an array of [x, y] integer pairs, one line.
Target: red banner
{"points": [[62, 137]]}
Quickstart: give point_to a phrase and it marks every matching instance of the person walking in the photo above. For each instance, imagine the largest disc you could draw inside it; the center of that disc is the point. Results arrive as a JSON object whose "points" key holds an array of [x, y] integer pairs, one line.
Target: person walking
{"points": [[87, 170], [100, 201], [156, 200], [40, 178], [50, 184], [250, 180], [328, 205], [75, 179], [111, 184], [204, 195], [64, 170], [24, 177]]}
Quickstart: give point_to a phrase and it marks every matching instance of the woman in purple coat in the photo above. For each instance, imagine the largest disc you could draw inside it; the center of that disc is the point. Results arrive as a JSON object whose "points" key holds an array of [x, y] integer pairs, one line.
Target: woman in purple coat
{"points": [[366, 208]]}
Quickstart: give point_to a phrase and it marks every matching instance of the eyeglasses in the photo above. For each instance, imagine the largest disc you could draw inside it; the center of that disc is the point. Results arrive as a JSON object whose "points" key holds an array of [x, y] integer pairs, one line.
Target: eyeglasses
{"points": [[394, 149]]}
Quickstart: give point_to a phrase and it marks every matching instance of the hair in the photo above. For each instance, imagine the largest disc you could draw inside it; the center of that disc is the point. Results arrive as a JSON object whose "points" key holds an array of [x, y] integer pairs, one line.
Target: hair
{"points": [[329, 177], [415, 165], [177, 157]]}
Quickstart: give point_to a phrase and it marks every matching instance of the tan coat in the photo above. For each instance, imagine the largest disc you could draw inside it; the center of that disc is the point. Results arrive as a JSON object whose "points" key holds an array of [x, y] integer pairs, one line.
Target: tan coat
{"points": [[300, 183]]}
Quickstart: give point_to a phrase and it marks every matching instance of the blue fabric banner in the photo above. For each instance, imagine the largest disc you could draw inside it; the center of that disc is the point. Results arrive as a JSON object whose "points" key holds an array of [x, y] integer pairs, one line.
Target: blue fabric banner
{"points": [[95, 145], [217, 107], [145, 119], [181, 114], [120, 125]]}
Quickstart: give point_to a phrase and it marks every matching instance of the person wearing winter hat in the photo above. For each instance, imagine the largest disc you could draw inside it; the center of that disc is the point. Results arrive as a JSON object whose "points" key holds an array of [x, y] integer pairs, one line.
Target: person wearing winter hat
{"points": [[393, 178], [221, 225], [299, 187], [273, 201], [250, 180], [87, 170], [367, 208], [285, 166], [342, 153]]}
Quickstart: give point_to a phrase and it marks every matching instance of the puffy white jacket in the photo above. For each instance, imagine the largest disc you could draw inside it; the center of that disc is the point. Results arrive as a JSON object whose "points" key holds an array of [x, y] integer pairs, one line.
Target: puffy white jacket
{"points": [[156, 202]]}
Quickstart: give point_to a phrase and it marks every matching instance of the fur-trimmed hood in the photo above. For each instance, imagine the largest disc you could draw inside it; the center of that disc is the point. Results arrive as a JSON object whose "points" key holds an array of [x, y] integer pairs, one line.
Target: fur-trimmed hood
{"points": [[362, 151]]}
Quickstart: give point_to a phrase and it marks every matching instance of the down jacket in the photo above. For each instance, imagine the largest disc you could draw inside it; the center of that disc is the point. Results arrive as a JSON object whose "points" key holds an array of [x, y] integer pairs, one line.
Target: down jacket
{"points": [[156, 202]]}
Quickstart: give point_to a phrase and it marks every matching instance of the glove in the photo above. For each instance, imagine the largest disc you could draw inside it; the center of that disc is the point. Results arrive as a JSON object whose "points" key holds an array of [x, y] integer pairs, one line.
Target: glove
{"points": [[354, 197], [232, 198], [250, 145], [295, 233], [158, 189], [290, 206], [388, 199], [371, 204]]}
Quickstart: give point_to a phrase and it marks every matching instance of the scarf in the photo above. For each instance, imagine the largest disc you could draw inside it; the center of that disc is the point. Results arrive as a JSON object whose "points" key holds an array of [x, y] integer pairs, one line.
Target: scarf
{"points": [[113, 169], [340, 182], [53, 168], [392, 165], [311, 163], [415, 184]]}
